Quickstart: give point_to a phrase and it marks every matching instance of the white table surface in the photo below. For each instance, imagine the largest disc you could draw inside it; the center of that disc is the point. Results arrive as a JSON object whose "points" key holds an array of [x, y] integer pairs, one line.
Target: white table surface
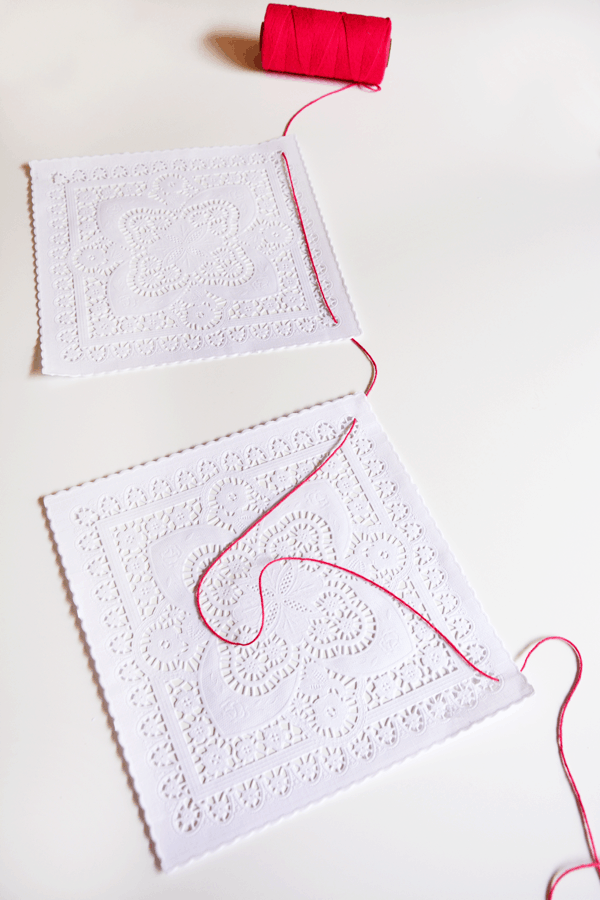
{"points": [[463, 202]]}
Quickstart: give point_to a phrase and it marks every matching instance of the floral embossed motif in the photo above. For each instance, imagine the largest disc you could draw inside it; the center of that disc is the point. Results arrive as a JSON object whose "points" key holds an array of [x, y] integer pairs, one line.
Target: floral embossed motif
{"points": [[168, 644], [195, 244]]}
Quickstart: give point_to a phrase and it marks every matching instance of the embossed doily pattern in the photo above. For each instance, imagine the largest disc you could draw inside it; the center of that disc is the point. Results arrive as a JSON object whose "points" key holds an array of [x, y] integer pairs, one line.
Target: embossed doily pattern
{"points": [[343, 681], [150, 258]]}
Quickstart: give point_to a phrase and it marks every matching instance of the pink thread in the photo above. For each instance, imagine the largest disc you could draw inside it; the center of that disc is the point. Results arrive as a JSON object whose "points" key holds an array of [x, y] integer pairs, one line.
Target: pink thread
{"points": [[373, 364], [322, 562], [325, 44], [284, 24], [369, 87], [247, 530], [311, 474], [306, 105], [380, 587], [320, 466], [329, 310], [319, 562], [595, 864]]}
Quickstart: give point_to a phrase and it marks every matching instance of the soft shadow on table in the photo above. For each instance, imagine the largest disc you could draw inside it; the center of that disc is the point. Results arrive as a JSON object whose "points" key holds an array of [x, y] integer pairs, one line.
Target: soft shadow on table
{"points": [[234, 49], [36, 359], [96, 680]]}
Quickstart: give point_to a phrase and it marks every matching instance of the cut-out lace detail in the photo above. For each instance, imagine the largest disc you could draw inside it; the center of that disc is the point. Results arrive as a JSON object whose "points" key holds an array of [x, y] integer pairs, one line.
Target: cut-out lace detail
{"points": [[150, 258], [342, 682]]}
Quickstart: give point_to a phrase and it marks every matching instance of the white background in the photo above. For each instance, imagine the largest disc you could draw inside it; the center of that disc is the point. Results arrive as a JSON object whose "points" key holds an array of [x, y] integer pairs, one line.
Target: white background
{"points": [[463, 202]]}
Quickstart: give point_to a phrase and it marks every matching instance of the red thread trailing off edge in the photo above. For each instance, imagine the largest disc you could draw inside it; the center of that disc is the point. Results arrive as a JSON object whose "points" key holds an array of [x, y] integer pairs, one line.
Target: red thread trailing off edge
{"points": [[595, 864]]}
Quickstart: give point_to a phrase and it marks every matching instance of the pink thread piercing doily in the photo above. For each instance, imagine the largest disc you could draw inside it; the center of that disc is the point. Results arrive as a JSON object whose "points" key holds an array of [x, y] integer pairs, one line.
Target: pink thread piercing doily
{"points": [[343, 682], [151, 258]]}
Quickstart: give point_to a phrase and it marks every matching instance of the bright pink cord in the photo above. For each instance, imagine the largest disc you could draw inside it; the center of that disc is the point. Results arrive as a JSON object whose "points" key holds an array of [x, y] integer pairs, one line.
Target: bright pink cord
{"points": [[369, 87], [247, 530], [373, 364], [595, 864], [380, 587], [285, 159], [322, 97], [304, 480], [329, 310], [319, 562]]}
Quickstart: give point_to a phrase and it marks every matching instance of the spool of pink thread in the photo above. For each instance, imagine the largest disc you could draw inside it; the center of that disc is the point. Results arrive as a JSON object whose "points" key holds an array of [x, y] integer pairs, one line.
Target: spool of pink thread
{"points": [[325, 44]]}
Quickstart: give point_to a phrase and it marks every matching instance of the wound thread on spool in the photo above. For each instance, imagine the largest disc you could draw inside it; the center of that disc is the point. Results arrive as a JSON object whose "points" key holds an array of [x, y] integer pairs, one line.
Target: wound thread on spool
{"points": [[325, 44]]}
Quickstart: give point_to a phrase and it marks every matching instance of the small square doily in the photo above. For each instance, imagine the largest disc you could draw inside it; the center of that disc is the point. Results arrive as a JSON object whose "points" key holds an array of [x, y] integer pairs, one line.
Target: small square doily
{"points": [[151, 258]]}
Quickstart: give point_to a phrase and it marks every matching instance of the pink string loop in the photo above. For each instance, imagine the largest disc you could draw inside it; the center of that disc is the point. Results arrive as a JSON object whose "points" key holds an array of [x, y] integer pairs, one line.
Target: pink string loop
{"points": [[319, 562], [322, 562], [595, 864]]}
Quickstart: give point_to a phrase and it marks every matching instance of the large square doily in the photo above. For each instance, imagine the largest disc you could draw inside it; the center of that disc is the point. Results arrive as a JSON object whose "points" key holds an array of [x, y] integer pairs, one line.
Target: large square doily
{"points": [[151, 258], [222, 740]]}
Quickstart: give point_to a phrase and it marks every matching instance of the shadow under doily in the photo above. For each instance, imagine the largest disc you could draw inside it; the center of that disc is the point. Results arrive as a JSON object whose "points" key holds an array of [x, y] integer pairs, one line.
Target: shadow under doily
{"points": [[36, 359]]}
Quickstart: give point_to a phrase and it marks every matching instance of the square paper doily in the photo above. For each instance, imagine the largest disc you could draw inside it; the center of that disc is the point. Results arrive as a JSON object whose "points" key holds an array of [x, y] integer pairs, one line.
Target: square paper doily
{"points": [[221, 740], [151, 258]]}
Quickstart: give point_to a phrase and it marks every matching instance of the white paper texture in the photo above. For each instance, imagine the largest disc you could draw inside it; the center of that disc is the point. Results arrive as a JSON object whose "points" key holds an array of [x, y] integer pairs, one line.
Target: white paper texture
{"points": [[152, 258], [343, 682]]}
